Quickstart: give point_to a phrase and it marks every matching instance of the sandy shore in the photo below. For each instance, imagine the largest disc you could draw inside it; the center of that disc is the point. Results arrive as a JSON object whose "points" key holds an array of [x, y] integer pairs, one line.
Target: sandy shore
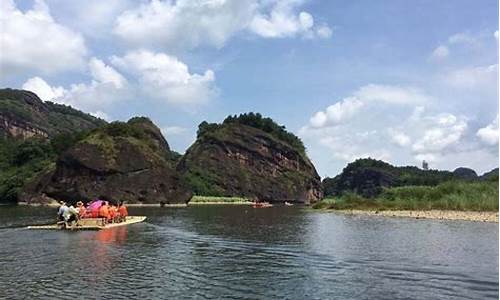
{"points": [[475, 216]]}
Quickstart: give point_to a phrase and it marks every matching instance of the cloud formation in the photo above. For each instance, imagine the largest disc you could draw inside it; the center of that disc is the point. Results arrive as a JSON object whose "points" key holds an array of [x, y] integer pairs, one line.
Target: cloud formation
{"points": [[281, 21], [474, 77], [42, 89], [34, 41], [391, 123], [189, 24], [489, 134], [441, 52], [166, 78], [106, 87]]}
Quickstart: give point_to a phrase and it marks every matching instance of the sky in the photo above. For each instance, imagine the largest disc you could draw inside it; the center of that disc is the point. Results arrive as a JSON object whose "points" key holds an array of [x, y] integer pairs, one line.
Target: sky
{"points": [[401, 81]]}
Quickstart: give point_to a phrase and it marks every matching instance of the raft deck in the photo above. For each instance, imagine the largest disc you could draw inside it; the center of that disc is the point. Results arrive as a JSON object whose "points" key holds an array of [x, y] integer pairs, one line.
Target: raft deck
{"points": [[91, 224]]}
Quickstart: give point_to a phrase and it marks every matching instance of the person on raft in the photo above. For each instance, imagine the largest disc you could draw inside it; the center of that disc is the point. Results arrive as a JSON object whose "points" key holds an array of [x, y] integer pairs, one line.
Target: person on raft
{"points": [[101, 209], [122, 211], [82, 211], [67, 214], [62, 210]]}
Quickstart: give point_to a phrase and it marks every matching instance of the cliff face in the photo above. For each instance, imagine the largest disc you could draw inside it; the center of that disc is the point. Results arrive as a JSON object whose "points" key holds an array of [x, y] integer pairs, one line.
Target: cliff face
{"points": [[233, 159], [24, 115], [121, 161]]}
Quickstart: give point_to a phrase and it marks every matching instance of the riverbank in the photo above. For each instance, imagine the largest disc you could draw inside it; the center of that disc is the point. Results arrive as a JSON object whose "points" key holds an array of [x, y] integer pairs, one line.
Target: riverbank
{"points": [[474, 216], [209, 200]]}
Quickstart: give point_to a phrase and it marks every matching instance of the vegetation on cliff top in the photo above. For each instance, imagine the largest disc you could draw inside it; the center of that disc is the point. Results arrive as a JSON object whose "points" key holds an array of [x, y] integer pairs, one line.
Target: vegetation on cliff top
{"points": [[256, 120]]}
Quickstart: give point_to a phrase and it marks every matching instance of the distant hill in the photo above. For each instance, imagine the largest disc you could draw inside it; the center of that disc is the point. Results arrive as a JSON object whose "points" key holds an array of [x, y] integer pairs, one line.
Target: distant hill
{"points": [[465, 173], [368, 177], [23, 114], [491, 175]]}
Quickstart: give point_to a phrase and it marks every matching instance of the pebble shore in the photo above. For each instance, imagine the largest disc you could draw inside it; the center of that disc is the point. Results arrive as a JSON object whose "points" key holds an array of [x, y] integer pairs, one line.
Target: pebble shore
{"points": [[475, 216]]}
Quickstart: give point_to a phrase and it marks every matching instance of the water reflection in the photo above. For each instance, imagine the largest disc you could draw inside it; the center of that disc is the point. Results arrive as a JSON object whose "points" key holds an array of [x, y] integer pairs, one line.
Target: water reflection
{"points": [[116, 235]]}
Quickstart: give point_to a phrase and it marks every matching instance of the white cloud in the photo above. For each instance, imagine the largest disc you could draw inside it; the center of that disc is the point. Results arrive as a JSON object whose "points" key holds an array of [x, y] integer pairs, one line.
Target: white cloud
{"points": [[93, 18], [106, 87], [105, 74], [474, 77], [441, 52], [399, 138], [489, 134], [441, 132], [189, 24], [365, 96], [495, 34], [102, 115], [324, 32], [33, 40], [463, 38], [165, 77], [283, 21], [392, 123], [170, 131], [391, 94], [43, 90], [460, 41], [185, 23], [337, 113]]}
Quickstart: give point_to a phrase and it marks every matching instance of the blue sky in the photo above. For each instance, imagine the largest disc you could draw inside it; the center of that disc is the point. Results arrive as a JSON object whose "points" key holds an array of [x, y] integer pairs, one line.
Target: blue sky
{"points": [[401, 81]]}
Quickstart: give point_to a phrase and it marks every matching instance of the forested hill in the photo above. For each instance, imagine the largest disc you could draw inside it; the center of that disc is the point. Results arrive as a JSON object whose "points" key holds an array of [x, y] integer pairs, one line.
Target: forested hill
{"points": [[23, 114], [368, 177]]}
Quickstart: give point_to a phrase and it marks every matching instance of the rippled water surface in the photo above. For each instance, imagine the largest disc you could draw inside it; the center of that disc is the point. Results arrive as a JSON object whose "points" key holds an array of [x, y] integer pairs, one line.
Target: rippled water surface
{"points": [[236, 252]]}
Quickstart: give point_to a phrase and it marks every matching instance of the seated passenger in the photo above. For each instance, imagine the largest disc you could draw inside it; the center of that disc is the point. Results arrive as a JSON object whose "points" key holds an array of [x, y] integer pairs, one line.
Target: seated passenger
{"points": [[82, 211], [113, 212], [104, 210], [122, 210]]}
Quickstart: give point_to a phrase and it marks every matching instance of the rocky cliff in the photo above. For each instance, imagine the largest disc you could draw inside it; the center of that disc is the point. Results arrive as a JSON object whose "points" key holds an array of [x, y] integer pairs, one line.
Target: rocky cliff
{"points": [[253, 157], [121, 161], [23, 114]]}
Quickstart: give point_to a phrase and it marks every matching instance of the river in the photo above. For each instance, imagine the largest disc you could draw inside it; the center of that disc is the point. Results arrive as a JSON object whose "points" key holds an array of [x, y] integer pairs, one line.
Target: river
{"points": [[237, 252]]}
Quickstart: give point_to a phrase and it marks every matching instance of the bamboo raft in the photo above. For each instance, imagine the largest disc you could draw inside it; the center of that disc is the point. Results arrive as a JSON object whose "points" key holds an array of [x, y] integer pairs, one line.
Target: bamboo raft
{"points": [[90, 224]]}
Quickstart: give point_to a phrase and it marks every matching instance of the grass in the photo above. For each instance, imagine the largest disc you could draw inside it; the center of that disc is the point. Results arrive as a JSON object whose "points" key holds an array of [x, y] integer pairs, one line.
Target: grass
{"points": [[210, 199], [451, 195]]}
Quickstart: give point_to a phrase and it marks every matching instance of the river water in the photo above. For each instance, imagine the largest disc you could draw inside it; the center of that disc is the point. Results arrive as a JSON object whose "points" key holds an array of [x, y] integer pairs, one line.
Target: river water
{"points": [[237, 252]]}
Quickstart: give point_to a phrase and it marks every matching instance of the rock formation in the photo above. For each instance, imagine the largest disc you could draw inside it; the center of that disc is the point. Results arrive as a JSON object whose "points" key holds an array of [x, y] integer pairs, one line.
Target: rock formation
{"points": [[121, 161], [253, 157]]}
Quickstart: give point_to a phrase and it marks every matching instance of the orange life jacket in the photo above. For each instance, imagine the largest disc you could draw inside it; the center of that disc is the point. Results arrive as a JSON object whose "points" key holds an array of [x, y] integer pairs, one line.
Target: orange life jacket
{"points": [[113, 212], [123, 211], [94, 213], [82, 211], [104, 211]]}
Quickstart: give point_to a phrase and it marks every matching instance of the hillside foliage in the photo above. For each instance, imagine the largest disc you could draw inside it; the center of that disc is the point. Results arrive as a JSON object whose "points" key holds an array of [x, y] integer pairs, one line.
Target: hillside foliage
{"points": [[256, 120]]}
